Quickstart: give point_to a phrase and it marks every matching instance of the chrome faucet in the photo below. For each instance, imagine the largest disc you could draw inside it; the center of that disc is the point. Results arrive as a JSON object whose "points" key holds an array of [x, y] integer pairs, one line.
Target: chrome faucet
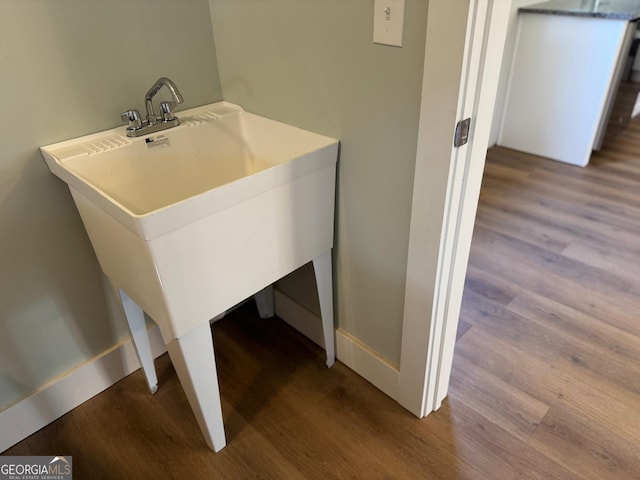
{"points": [[153, 123]]}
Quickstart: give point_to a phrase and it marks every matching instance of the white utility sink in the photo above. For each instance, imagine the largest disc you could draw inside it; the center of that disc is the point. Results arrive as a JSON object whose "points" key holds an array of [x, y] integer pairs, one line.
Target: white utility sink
{"points": [[190, 221]]}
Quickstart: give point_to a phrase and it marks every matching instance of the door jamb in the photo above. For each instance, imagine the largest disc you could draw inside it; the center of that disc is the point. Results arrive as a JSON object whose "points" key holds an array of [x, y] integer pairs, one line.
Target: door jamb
{"points": [[460, 79]]}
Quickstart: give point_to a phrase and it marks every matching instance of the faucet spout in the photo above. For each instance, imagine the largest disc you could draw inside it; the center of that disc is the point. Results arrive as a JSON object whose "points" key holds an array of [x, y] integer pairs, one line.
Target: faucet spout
{"points": [[138, 127], [148, 98]]}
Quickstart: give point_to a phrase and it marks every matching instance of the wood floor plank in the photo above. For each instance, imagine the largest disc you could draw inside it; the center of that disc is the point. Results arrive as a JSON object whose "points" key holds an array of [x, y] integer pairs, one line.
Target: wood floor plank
{"points": [[529, 374], [536, 261], [606, 341], [550, 378], [498, 401], [561, 351], [609, 348], [523, 227], [635, 288], [606, 181], [278, 399], [595, 297], [573, 200], [491, 287], [564, 187], [463, 327], [597, 451], [566, 216], [362, 420], [605, 258], [494, 451]]}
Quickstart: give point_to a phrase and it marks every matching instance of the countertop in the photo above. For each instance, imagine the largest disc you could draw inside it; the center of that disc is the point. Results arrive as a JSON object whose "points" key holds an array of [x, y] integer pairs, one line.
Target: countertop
{"points": [[613, 9]]}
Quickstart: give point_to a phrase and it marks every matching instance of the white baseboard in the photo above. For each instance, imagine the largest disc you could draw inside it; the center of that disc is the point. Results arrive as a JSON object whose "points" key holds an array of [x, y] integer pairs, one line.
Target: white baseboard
{"points": [[299, 317], [63, 394], [367, 363], [352, 352]]}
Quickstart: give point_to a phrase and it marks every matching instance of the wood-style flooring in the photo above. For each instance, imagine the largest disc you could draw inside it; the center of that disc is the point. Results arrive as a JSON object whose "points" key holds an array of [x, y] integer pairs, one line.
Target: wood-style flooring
{"points": [[545, 385]]}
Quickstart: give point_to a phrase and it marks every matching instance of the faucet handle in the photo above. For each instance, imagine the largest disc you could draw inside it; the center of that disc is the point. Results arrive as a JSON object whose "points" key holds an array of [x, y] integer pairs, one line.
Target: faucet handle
{"points": [[133, 118], [166, 110]]}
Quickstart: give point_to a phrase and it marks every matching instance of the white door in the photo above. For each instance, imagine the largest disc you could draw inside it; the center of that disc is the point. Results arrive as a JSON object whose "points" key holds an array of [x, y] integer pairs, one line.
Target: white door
{"points": [[463, 53]]}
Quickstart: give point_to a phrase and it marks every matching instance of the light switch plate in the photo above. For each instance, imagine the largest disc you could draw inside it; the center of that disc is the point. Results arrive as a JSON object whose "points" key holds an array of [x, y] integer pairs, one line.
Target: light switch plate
{"points": [[388, 22]]}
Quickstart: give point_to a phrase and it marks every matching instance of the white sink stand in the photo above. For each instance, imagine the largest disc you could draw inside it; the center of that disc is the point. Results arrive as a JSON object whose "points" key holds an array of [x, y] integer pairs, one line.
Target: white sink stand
{"points": [[184, 278], [193, 356]]}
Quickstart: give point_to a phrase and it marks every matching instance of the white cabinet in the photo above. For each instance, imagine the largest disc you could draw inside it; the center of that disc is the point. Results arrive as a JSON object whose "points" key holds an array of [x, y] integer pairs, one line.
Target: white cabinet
{"points": [[564, 75]]}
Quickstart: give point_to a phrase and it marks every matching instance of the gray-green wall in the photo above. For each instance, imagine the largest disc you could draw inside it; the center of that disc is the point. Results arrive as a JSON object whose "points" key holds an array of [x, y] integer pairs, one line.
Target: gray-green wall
{"points": [[312, 63], [68, 68]]}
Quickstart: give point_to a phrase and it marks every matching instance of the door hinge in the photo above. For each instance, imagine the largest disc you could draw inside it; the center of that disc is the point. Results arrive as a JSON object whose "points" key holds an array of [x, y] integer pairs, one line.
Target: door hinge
{"points": [[462, 132]]}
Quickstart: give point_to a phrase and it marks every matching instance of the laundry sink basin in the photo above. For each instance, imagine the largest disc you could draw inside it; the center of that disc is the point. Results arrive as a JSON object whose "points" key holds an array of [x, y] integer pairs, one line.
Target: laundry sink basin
{"points": [[188, 222], [220, 155]]}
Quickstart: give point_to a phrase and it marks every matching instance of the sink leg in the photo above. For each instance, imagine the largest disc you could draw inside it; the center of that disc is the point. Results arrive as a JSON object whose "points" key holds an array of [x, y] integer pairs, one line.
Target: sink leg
{"points": [[264, 301], [323, 271], [138, 328], [193, 358]]}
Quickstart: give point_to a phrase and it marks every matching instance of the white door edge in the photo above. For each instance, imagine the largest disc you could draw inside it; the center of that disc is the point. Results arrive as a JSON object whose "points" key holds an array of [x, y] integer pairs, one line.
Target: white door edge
{"points": [[468, 79]]}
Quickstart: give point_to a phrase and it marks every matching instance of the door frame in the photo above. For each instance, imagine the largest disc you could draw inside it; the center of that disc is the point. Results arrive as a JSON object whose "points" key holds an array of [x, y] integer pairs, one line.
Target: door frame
{"points": [[460, 80]]}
